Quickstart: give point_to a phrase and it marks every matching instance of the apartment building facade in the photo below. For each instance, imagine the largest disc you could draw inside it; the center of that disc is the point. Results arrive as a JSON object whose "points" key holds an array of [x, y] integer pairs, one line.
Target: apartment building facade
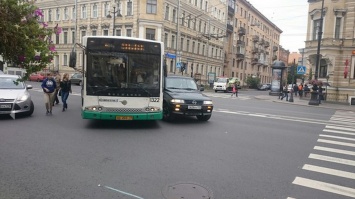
{"points": [[337, 62], [256, 43]]}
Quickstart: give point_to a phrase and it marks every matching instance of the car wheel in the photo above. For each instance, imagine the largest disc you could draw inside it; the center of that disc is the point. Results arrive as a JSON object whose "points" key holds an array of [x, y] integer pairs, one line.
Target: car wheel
{"points": [[80, 83], [167, 115], [203, 117], [215, 91], [38, 80]]}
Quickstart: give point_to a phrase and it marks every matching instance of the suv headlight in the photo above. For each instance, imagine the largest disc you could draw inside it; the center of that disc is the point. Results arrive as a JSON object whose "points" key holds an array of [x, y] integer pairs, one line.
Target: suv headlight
{"points": [[177, 101], [207, 102]]}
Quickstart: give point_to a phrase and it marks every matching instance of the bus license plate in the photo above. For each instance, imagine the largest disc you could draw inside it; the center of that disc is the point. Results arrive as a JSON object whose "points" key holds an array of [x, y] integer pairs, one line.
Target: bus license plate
{"points": [[5, 106], [194, 107], [124, 118]]}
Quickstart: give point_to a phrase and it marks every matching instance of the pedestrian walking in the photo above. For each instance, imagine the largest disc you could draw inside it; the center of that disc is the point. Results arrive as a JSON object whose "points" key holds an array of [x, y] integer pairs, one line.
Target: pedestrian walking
{"points": [[49, 85], [295, 89], [234, 90], [300, 90], [56, 91], [320, 94], [65, 89], [285, 93]]}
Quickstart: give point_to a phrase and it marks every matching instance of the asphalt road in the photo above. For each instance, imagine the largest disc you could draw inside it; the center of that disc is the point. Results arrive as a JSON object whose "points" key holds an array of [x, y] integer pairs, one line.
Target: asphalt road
{"points": [[249, 149]]}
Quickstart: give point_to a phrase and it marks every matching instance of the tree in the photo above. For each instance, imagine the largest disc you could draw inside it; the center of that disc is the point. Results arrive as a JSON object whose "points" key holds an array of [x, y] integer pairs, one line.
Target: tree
{"points": [[25, 41], [252, 82], [296, 76]]}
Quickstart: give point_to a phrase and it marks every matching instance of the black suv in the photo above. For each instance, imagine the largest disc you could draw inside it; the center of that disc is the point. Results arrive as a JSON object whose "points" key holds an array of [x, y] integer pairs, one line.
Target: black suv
{"points": [[183, 98]]}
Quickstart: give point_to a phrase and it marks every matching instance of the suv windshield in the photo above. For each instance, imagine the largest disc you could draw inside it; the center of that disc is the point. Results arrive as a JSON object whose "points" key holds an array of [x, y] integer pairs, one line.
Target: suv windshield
{"points": [[180, 83], [222, 80], [10, 83]]}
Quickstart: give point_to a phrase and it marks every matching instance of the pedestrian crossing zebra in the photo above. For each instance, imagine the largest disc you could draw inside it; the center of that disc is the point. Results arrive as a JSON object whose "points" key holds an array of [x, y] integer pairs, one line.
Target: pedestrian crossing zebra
{"points": [[228, 96], [329, 171]]}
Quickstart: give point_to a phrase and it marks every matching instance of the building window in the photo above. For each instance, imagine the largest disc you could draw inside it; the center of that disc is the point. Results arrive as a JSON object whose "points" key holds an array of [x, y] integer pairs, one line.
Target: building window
{"points": [[73, 37], [166, 17], [316, 25], [337, 28], [65, 37], [323, 68], [56, 38], [49, 15], [181, 43], [94, 32], [174, 15], [74, 13], [118, 32], [106, 9], [57, 14], [66, 15], [129, 8], [151, 6], [83, 33], [198, 48], [172, 41], [129, 32], [188, 45], [150, 34], [105, 32], [65, 59], [193, 47], [166, 40], [83, 12], [94, 11]]}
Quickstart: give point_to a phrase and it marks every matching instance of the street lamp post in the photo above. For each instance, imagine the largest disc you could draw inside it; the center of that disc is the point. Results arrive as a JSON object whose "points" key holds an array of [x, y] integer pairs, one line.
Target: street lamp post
{"points": [[114, 16], [320, 32]]}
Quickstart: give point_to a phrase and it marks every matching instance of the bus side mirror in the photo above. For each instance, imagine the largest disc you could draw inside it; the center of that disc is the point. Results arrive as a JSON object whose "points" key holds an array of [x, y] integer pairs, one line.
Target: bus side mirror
{"points": [[72, 59]]}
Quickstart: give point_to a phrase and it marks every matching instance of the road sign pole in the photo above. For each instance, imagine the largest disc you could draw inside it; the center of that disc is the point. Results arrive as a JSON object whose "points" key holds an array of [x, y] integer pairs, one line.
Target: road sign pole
{"points": [[293, 79]]}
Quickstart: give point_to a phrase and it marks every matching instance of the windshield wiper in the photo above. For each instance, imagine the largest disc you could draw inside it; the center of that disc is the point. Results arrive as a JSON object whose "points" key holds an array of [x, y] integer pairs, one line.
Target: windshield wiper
{"points": [[102, 88], [141, 87], [172, 88], [189, 89]]}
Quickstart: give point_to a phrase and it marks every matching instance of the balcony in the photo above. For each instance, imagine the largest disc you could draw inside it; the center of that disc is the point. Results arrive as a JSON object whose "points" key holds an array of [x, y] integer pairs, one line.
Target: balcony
{"points": [[267, 52], [275, 48], [274, 58], [229, 28], [255, 50], [231, 10], [240, 43], [266, 44], [255, 38], [262, 42], [240, 56], [241, 31]]}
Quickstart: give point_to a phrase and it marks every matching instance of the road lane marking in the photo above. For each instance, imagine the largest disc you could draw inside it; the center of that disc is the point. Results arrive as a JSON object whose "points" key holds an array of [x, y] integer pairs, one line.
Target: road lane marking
{"points": [[323, 186], [337, 137], [339, 132], [345, 152], [336, 142], [332, 159], [340, 128], [329, 171], [126, 193]]}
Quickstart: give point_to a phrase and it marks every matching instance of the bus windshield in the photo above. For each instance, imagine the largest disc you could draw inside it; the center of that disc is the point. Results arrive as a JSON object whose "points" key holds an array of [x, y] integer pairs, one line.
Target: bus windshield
{"points": [[124, 74]]}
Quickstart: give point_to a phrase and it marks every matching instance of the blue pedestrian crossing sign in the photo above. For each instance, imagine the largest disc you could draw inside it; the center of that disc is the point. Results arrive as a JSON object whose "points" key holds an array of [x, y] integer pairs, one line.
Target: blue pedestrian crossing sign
{"points": [[178, 64], [301, 70]]}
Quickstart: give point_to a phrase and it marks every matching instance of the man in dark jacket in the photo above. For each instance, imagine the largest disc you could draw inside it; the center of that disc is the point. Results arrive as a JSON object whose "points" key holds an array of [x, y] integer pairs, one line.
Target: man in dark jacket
{"points": [[295, 89], [49, 85]]}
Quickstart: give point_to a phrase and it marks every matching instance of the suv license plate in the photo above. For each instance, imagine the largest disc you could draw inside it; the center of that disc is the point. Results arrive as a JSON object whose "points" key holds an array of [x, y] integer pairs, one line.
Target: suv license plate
{"points": [[194, 107], [124, 118]]}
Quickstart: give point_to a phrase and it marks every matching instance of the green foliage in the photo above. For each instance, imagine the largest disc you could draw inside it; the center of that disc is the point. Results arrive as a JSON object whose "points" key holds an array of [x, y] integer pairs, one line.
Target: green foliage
{"points": [[252, 82], [296, 76], [24, 40]]}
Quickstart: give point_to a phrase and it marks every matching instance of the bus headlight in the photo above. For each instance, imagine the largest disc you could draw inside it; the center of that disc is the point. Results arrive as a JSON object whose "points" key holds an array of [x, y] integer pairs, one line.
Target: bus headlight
{"points": [[151, 109], [180, 101], [93, 108], [207, 102]]}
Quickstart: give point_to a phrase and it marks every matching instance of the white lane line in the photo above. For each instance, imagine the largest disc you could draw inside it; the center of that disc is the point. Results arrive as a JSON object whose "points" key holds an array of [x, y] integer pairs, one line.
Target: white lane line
{"points": [[290, 198], [339, 132], [345, 152], [337, 137], [342, 119], [329, 171], [339, 128], [323, 186], [336, 142], [332, 159], [128, 194]]}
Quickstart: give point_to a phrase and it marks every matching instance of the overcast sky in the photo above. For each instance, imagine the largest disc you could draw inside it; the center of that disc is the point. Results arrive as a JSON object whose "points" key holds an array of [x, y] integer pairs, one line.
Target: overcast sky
{"points": [[290, 16]]}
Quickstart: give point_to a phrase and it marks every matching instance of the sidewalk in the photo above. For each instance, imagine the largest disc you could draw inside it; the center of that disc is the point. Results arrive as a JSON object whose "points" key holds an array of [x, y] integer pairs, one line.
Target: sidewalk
{"points": [[304, 102]]}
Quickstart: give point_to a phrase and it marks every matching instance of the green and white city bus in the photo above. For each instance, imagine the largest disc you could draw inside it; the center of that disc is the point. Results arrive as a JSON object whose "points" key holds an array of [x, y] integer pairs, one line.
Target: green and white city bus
{"points": [[122, 78]]}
